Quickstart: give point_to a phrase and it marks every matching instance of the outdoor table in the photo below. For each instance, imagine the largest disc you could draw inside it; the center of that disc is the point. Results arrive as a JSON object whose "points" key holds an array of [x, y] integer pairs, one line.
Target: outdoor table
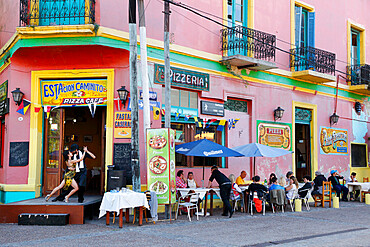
{"points": [[116, 202], [203, 195], [362, 187]]}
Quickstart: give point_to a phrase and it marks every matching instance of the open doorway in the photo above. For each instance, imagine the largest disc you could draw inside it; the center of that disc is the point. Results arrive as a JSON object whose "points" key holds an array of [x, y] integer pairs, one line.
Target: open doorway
{"points": [[74, 125], [302, 150]]}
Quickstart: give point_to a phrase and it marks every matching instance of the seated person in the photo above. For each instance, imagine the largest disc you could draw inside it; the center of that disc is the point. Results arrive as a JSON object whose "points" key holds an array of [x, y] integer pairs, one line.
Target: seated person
{"points": [[240, 180], [292, 187], [307, 185], [272, 175], [353, 179], [288, 175], [256, 186], [317, 189], [334, 179], [236, 192], [275, 185], [191, 182], [181, 180], [282, 181]]}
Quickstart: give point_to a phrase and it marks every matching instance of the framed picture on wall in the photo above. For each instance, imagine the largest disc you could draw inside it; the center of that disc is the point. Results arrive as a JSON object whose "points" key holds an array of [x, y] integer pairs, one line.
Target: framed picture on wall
{"points": [[88, 138]]}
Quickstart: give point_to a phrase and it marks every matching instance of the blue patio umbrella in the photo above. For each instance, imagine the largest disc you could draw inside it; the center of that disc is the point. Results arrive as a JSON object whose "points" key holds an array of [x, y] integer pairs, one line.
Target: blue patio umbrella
{"points": [[206, 148], [260, 150]]}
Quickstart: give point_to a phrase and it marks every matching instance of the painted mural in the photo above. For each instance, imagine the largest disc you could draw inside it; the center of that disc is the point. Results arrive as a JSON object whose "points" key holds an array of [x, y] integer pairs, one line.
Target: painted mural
{"points": [[333, 141], [274, 135]]}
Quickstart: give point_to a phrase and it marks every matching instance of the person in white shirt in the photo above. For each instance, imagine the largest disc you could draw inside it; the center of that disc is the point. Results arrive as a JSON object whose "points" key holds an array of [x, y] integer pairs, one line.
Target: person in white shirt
{"points": [[191, 181], [353, 179], [293, 186]]}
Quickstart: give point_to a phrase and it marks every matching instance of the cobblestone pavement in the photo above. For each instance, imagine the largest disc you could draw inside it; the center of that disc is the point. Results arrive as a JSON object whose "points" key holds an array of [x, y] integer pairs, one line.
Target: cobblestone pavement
{"points": [[347, 226]]}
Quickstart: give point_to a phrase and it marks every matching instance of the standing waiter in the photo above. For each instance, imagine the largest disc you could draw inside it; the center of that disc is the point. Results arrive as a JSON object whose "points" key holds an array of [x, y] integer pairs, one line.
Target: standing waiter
{"points": [[81, 173], [225, 189]]}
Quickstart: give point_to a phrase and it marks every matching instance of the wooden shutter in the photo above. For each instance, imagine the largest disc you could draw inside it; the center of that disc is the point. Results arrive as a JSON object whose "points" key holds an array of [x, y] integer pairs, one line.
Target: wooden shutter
{"points": [[311, 29], [298, 20]]}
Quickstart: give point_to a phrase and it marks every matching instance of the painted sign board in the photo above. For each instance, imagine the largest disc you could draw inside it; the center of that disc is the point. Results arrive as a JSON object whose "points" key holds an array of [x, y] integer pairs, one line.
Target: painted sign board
{"points": [[122, 125], [74, 92], [161, 164], [273, 134], [212, 108], [141, 104], [333, 141], [152, 95], [183, 78], [4, 91]]}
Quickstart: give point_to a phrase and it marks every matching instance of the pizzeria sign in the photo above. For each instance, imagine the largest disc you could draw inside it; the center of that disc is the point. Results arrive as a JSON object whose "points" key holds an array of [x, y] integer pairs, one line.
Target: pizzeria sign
{"points": [[74, 92], [183, 78]]}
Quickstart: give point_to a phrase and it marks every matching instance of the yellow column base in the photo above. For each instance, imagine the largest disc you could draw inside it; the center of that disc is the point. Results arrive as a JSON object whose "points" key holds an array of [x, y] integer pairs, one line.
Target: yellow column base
{"points": [[335, 202], [298, 205], [367, 199]]}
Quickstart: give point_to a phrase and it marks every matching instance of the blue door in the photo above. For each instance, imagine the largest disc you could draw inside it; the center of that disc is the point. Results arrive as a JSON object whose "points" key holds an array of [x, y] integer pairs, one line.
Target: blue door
{"points": [[62, 12], [237, 16]]}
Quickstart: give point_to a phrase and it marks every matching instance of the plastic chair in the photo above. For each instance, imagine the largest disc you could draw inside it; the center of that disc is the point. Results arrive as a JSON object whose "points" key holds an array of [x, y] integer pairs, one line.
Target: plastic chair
{"points": [[307, 197], [254, 194], [326, 192], [282, 202], [366, 180], [363, 193], [294, 197], [189, 201]]}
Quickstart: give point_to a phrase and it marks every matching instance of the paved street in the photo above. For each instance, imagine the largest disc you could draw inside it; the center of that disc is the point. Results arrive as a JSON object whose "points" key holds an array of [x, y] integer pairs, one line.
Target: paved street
{"points": [[347, 226]]}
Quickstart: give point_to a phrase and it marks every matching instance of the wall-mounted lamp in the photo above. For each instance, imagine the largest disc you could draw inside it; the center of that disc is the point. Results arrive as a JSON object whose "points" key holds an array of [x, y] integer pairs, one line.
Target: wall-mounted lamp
{"points": [[334, 119], [358, 108], [278, 113], [17, 96], [123, 93]]}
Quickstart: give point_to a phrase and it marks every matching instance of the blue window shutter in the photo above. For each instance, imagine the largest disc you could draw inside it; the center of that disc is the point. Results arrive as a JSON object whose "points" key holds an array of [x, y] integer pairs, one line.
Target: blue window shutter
{"points": [[311, 29], [298, 20]]}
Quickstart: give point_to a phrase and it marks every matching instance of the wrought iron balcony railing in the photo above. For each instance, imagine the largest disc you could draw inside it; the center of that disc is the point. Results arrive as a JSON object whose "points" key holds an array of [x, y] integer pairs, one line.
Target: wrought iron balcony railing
{"points": [[244, 41], [310, 58], [56, 12], [358, 74]]}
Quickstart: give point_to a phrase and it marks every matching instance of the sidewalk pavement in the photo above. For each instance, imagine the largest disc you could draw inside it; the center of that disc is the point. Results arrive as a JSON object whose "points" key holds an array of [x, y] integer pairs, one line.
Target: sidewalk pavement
{"points": [[347, 226]]}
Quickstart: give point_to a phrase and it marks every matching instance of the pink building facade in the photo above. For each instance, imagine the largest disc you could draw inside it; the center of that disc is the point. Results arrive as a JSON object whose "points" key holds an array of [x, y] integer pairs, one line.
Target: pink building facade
{"points": [[309, 58]]}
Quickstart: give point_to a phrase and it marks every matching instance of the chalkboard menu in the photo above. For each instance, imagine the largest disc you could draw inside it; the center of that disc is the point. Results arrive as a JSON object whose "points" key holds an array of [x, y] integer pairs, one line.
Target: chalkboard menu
{"points": [[122, 159], [18, 153]]}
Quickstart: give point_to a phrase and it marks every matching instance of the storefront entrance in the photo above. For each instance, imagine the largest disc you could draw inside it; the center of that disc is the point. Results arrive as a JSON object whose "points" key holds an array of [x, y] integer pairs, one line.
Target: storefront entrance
{"points": [[74, 125]]}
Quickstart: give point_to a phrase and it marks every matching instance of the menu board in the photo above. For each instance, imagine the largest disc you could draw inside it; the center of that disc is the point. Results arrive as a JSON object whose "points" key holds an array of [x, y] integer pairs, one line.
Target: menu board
{"points": [[161, 164]]}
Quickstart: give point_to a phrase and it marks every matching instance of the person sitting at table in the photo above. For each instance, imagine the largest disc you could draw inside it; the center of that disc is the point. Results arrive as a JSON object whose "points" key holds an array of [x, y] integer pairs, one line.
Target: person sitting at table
{"points": [[352, 179], [181, 180], [317, 188], [275, 185], [225, 189], [236, 192], [259, 188], [282, 181], [307, 185], [191, 181], [288, 175], [240, 180], [272, 175], [334, 179], [292, 187]]}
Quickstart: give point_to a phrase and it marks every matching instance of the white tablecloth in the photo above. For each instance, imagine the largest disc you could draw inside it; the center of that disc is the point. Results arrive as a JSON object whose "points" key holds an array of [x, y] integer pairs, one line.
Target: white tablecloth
{"points": [[243, 188], [113, 202], [358, 186], [202, 191]]}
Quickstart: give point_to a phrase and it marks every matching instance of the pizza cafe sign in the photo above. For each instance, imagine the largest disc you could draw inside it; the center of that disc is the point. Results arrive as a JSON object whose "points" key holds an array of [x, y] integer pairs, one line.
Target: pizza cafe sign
{"points": [[274, 135], [74, 92], [183, 78]]}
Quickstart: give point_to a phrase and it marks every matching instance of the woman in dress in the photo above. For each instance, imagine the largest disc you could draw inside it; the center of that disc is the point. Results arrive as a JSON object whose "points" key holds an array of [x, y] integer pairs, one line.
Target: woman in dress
{"points": [[69, 176], [293, 186]]}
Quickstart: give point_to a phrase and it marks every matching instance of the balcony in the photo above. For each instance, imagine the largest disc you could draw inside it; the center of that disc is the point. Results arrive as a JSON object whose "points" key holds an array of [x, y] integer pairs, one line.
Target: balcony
{"points": [[56, 12], [359, 78], [248, 48], [312, 64]]}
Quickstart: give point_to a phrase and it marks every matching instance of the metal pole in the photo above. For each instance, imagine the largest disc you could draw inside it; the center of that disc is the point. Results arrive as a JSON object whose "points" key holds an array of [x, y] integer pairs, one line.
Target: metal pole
{"points": [[167, 83], [135, 162]]}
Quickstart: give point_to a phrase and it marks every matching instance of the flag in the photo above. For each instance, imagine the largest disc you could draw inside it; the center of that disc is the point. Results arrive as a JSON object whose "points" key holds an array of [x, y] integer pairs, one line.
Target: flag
{"points": [[177, 116], [197, 122], [231, 121], [235, 121], [117, 103], [92, 108], [37, 109], [47, 109], [210, 122], [221, 125], [156, 112], [163, 111], [23, 107], [186, 118]]}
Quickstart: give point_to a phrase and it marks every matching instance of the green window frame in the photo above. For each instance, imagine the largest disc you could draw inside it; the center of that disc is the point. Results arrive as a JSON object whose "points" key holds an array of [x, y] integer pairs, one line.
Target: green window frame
{"points": [[237, 12]]}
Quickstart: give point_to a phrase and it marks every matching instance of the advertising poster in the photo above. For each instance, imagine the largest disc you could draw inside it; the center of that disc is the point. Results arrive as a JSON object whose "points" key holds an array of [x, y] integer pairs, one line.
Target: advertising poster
{"points": [[333, 141], [161, 164], [74, 92], [122, 125], [277, 135]]}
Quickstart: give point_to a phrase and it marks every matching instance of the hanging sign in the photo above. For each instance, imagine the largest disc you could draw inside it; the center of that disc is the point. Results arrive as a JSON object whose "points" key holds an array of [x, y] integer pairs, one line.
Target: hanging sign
{"points": [[333, 141], [161, 164], [182, 78], [274, 135], [4, 100], [122, 125], [212, 108], [74, 92]]}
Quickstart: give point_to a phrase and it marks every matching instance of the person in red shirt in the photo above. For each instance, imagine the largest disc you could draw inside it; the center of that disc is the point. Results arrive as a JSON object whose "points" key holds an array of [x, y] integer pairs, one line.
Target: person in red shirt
{"points": [[181, 180]]}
